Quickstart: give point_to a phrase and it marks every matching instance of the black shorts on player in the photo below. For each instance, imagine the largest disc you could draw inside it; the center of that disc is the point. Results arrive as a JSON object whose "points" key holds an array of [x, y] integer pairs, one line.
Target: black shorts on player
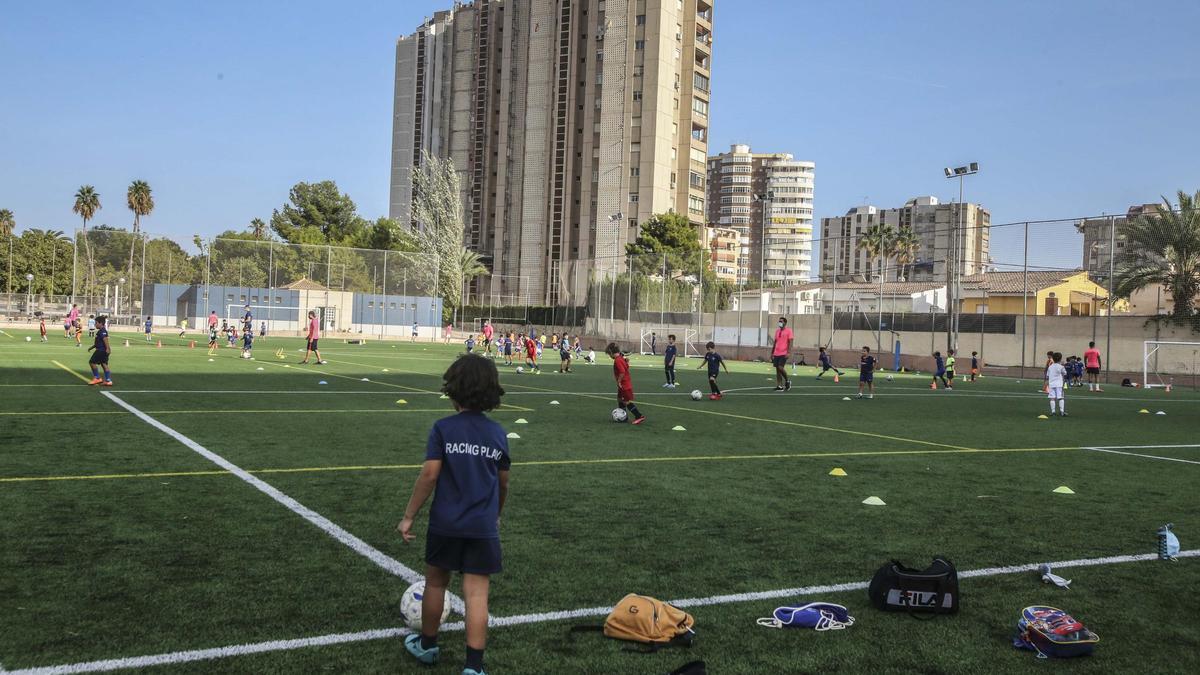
{"points": [[458, 554]]}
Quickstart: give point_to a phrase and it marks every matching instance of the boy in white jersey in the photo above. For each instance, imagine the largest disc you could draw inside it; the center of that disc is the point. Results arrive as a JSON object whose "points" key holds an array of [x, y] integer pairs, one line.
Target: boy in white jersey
{"points": [[1056, 376]]}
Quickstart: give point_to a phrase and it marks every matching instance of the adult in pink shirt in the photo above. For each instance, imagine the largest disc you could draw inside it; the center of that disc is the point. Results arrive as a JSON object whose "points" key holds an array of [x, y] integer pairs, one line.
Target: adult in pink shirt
{"points": [[314, 334], [1091, 361], [72, 317], [487, 336], [779, 355], [212, 320]]}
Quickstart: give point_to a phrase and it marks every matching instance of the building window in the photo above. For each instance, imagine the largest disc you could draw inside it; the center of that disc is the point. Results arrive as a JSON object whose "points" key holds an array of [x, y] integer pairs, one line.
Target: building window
{"points": [[637, 94], [641, 19], [697, 155], [635, 171], [700, 82], [700, 106], [639, 44], [633, 197]]}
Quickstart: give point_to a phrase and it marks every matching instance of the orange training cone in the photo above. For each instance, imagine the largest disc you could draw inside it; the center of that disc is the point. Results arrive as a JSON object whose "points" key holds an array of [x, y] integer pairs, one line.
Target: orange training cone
{"points": [[191, 344], [836, 379], [160, 344], [933, 385]]}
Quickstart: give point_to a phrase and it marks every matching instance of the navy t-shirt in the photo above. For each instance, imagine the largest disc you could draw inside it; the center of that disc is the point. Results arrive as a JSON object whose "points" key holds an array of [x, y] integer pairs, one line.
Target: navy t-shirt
{"points": [[939, 365], [669, 355], [100, 335], [714, 363], [473, 450], [866, 365], [824, 359]]}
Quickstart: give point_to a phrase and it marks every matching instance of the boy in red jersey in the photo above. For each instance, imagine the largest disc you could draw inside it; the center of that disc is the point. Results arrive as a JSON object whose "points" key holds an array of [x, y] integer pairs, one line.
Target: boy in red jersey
{"points": [[624, 382]]}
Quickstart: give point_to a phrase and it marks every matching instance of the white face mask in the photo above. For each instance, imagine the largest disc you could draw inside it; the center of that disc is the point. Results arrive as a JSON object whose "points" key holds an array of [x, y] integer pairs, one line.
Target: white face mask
{"points": [[781, 324]]}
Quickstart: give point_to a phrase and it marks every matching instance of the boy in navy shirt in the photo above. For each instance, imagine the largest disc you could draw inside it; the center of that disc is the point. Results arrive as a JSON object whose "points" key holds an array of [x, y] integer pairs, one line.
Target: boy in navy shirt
{"points": [[149, 327], [102, 350], [866, 373], [669, 362], [826, 363], [466, 470], [974, 365], [247, 343], [564, 355], [715, 363], [939, 371]]}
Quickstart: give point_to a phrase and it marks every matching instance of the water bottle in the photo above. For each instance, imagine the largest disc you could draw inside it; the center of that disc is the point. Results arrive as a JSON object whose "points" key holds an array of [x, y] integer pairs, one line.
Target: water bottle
{"points": [[1168, 543]]}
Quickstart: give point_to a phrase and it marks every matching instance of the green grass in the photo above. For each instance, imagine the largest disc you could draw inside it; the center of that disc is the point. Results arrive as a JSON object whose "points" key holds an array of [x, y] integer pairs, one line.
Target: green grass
{"points": [[123, 542]]}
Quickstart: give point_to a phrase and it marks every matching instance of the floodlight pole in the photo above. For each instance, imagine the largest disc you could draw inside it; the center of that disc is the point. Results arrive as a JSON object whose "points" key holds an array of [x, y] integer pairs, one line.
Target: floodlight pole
{"points": [[1112, 256], [954, 267]]}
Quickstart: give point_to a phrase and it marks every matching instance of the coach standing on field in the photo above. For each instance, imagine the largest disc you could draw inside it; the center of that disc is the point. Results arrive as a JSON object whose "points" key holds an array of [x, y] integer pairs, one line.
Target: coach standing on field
{"points": [[779, 355]]}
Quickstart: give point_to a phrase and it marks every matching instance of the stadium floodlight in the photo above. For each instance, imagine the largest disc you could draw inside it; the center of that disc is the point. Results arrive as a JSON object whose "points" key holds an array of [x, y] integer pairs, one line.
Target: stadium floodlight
{"points": [[953, 266]]}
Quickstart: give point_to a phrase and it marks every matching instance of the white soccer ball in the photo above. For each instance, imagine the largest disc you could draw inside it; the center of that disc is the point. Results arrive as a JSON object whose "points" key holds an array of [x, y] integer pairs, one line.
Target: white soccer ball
{"points": [[520, 370], [889, 378], [410, 605], [619, 415], [28, 339], [696, 395]]}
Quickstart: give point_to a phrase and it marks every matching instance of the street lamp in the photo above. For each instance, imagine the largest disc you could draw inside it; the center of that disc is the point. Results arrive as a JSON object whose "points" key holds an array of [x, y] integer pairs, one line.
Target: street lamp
{"points": [[766, 198], [953, 266], [117, 296], [29, 294]]}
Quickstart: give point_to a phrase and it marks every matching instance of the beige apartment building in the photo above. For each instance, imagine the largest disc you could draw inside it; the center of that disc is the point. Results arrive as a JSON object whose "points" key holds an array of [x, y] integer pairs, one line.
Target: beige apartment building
{"points": [[1099, 236], [933, 224], [767, 198], [570, 122], [723, 247]]}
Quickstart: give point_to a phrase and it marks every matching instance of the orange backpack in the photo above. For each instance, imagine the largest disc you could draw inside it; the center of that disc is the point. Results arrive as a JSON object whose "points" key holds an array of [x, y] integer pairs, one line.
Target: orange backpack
{"points": [[648, 621]]}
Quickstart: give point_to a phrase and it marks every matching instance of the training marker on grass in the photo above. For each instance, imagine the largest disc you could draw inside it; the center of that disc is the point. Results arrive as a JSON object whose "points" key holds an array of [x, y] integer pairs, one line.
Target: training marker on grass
{"points": [[259, 368], [401, 402], [1063, 490], [365, 380], [521, 420], [1143, 411], [210, 360], [513, 434], [873, 501], [677, 428], [322, 382], [553, 402], [1160, 412], [837, 471], [1043, 417], [845, 398]]}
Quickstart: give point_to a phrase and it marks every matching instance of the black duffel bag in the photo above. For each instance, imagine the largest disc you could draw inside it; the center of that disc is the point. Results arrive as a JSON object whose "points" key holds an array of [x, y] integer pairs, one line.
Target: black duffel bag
{"points": [[933, 590]]}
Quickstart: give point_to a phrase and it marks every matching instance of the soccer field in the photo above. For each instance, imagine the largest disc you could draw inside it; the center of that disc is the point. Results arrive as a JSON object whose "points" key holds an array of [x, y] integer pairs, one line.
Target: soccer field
{"points": [[213, 514]]}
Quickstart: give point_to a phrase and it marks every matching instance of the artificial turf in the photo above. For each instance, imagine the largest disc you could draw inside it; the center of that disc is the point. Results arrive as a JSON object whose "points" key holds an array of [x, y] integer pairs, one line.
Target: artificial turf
{"points": [[119, 541]]}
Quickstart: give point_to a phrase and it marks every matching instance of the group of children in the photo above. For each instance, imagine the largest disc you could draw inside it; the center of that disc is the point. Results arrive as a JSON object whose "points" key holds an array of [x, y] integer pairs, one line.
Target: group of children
{"points": [[529, 347]]}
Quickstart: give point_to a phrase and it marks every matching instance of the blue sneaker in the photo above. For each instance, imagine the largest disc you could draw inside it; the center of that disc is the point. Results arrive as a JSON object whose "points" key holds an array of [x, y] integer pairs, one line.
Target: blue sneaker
{"points": [[472, 671], [427, 656]]}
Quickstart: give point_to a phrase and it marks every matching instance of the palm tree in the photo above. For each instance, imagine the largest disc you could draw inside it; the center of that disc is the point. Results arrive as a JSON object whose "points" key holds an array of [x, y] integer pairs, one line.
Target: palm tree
{"points": [[258, 228], [905, 247], [877, 242], [1164, 248], [471, 265], [141, 202], [87, 203]]}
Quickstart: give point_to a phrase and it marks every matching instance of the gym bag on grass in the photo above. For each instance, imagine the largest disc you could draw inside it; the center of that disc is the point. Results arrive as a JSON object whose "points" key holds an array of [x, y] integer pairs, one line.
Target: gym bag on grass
{"points": [[647, 621], [896, 588], [1051, 632]]}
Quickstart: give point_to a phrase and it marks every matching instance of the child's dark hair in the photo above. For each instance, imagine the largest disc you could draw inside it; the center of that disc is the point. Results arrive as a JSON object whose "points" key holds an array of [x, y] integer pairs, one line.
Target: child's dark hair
{"points": [[866, 349], [101, 320], [710, 345], [974, 353], [1057, 357], [671, 336], [612, 349], [473, 383]]}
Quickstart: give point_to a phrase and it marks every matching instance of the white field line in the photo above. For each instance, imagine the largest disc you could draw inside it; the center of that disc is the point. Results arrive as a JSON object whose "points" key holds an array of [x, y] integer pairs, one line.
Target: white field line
{"points": [[585, 612], [1136, 454], [1142, 447], [359, 546]]}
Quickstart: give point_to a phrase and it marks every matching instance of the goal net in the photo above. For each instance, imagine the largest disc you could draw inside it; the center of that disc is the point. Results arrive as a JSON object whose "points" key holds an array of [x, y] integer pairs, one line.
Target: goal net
{"points": [[1165, 364]]}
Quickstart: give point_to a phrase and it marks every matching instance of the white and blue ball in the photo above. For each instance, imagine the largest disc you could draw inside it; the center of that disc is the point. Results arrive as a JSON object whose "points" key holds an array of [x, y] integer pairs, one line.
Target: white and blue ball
{"points": [[410, 605]]}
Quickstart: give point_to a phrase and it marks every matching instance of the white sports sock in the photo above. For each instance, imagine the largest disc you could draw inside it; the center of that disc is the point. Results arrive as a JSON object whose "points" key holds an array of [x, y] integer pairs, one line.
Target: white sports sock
{"points": [[1052, 406], [1062, 405]]}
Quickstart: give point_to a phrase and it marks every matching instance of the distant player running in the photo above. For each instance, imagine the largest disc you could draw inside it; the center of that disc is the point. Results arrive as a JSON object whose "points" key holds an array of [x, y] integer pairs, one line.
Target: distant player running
{"points": [[314, 334], [1091, 361], [826, 363], [624, 383], [531, 355], [939, 371]]}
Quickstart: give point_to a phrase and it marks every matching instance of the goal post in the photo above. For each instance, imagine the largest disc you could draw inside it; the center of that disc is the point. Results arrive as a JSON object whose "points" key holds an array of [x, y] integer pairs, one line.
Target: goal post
{"points": [[1163, 361]]}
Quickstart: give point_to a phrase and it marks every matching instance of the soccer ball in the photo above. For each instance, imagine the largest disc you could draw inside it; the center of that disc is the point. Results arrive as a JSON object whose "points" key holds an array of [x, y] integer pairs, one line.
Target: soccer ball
{"points": [[696, 395], [619, 415], [410, 605], [889, 378], [28, 339], [520, 370]]}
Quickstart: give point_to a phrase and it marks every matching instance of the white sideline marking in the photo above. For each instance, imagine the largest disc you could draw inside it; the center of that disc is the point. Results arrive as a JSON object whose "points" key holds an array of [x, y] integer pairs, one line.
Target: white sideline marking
{"points": [[329, 527], [384, 633], [1138, 454], [1143, 447]]}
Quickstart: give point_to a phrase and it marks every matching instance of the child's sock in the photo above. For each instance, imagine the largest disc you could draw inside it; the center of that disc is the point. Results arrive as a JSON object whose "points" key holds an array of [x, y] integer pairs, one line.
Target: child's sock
{"points": [[107, 376], [95, 373], [475, 659], [1052, 409], [712, 385], [430, 642], [633, 411], [1062, 405]]}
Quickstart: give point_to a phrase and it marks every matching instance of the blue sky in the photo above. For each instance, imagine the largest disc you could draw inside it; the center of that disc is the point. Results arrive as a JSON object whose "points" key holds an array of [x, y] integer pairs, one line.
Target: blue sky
{"points": [[1070, 107]]}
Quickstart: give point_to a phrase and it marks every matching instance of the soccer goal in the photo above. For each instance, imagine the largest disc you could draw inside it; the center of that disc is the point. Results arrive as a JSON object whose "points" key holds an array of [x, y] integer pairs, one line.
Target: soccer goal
{"points": [[1165, 364], [235, 311], [655, 339]]}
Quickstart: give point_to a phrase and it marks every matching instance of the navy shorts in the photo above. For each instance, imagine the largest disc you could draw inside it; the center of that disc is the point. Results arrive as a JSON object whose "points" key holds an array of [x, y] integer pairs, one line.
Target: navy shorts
{"points": [[779, 361], [866, 377], [312, 345], [98, 358], [457, 554], [1093, 370]]}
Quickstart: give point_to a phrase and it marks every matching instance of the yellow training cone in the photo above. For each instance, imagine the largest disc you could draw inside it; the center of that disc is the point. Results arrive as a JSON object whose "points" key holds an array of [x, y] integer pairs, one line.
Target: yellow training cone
{"points": [[874, 501], [837, 471], [1144, 411], [512, 435], [521, 420], [1063, 490], [678, 428], [401, 401]]}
